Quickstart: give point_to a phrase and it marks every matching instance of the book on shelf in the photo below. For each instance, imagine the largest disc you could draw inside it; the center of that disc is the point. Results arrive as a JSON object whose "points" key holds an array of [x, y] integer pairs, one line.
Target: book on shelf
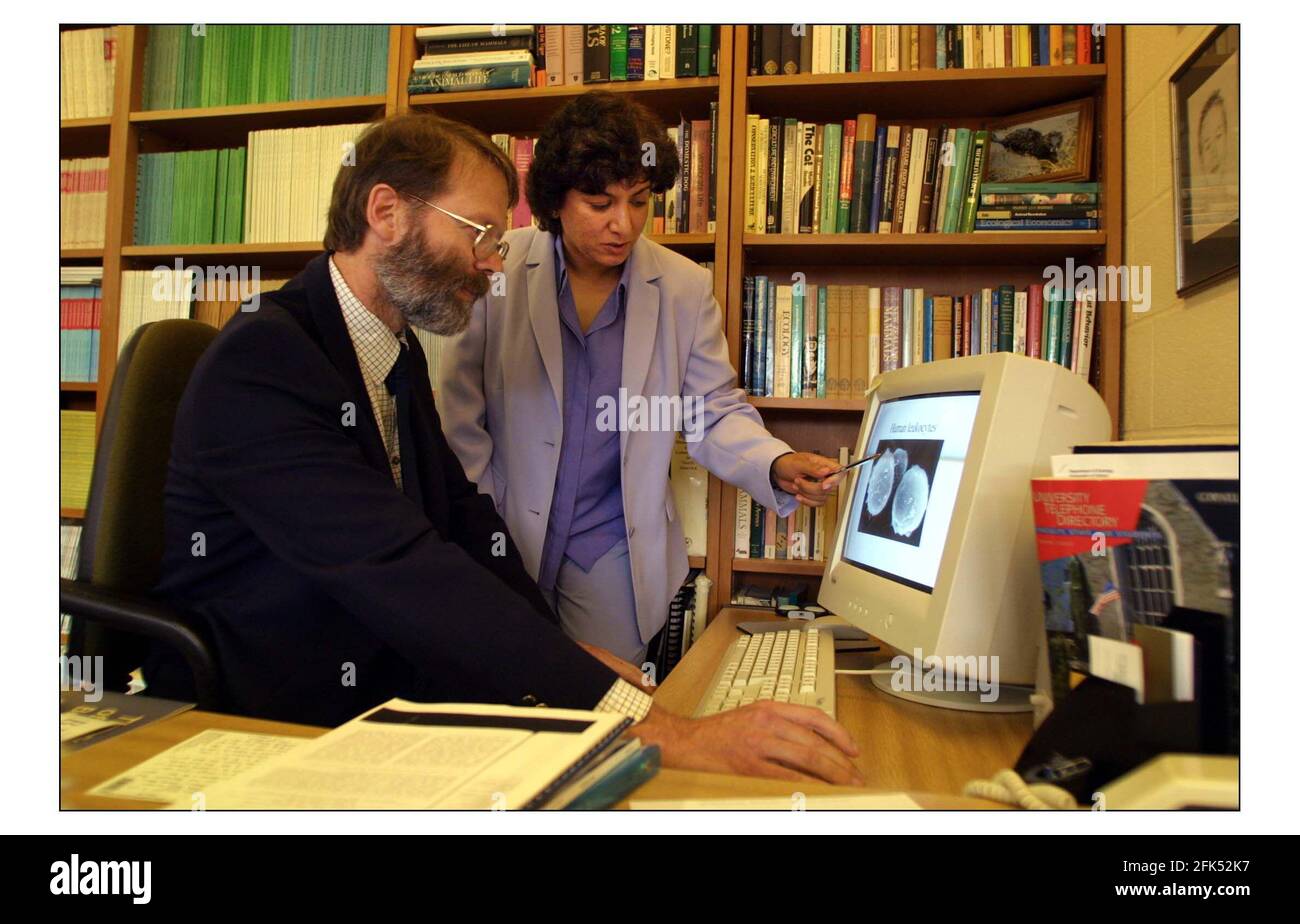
{"points": [[874, 329], [83, 201], [289, 178], [788, 49], [76, 457], [80, 303], [689, 482], [804, 535], [153, 295], [486, 57], [190, 197], [232, 65], [864, 176], [87, 65]]}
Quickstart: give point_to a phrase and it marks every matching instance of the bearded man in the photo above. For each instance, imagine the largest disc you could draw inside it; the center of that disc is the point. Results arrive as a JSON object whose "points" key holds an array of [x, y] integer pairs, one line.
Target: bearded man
{"points": [[323, 533]]}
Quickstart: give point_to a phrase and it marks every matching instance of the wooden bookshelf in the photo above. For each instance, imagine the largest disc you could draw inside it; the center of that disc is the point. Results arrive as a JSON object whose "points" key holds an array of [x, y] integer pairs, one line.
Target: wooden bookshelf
{"points": [[930, 260], [984, 247], [824, 405], [938, 262]]}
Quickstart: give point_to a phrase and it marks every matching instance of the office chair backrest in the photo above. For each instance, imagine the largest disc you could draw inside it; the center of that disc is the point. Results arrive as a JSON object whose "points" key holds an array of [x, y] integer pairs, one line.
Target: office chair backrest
{"points": [[122, 536]]}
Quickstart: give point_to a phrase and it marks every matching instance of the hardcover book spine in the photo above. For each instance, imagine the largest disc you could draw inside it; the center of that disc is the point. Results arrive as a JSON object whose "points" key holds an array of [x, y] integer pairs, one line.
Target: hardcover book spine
{"points": [[636, 52], [747, 336], [617, 52], [864, 150], [595, 56], [1006, 318]]}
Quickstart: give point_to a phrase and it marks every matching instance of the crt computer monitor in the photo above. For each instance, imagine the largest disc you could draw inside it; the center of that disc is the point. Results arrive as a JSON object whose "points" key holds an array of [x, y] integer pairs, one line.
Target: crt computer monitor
{"points": [[934, 550]]}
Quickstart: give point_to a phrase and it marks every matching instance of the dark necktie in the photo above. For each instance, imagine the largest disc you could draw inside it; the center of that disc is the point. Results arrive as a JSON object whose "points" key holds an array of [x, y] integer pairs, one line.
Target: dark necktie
{"points": [[398, 383]]}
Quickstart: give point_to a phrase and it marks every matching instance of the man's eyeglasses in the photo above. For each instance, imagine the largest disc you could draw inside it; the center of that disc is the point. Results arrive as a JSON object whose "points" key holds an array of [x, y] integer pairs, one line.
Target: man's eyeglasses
{"points": [[488, 241]]}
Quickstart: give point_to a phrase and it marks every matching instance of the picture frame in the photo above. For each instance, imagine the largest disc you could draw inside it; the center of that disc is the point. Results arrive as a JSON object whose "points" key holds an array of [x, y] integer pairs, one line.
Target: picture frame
{"points": [[1048, 145], [1204, 104]]}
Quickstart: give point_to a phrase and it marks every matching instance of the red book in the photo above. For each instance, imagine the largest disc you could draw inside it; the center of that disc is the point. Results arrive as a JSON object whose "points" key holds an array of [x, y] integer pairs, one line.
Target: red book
{"points": [[523, 149], [1034, 323], [848, 134], [965, 317], [1083, 45], [866, 49], [958, 331]]}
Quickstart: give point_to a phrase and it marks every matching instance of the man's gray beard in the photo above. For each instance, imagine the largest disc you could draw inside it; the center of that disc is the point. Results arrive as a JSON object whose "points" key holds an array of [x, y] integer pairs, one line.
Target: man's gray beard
{"points": [[424, 288]]}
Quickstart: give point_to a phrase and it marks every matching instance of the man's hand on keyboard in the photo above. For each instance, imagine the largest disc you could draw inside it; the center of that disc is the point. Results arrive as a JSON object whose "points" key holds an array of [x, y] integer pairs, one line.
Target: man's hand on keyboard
{"points": [[766, 738]]}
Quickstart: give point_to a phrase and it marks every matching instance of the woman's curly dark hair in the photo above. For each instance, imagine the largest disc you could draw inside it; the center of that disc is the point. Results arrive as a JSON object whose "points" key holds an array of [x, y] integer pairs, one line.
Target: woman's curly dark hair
{"points": [[598, 139]]}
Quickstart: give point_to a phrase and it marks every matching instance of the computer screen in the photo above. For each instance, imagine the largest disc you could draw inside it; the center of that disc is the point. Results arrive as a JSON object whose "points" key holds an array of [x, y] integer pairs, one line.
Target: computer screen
{"points": [[903, 502]]}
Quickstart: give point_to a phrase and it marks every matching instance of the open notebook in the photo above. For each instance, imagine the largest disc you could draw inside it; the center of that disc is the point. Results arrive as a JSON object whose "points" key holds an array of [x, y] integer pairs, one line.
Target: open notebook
{"points": [[405, 755]]}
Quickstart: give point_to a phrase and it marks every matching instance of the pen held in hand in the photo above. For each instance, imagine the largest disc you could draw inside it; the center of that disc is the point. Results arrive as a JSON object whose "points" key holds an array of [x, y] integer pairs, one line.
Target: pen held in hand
{"points": [[840, 471], [863, 460]]}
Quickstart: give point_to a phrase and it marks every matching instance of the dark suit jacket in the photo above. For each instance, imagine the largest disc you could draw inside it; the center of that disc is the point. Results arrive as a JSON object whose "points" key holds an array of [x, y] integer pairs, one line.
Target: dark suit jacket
{"points": [[324, 588]]}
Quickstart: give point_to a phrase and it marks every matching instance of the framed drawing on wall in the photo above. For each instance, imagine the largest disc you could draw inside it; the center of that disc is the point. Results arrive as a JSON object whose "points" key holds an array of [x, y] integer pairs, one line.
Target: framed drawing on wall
{"points": [[1204, 102]]}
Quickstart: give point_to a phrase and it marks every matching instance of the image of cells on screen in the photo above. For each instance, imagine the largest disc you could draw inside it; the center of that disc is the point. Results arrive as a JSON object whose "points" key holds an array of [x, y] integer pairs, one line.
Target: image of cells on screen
{"points": [[898, 489]]}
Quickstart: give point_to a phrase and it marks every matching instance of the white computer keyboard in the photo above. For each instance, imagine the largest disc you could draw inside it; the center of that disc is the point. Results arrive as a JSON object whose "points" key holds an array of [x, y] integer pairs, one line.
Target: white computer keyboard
{"points": [[789, 666]]}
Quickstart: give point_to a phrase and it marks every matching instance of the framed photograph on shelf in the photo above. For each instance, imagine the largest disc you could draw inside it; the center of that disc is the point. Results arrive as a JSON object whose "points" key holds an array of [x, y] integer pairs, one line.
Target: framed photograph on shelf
{"points": [[1204, 102], [1053, 144]]}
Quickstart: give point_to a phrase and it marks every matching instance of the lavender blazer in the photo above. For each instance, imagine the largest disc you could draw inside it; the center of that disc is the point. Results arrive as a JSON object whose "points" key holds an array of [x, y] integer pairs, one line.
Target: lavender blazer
{"points": [[500, 388]]}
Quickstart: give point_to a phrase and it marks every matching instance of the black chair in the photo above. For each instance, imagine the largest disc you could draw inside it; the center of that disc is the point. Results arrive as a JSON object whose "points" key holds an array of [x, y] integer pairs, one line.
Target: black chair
{"points": [[114, 615]]}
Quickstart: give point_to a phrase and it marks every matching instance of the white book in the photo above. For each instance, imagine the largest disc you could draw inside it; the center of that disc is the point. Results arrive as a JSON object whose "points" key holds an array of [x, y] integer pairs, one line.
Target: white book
{"points": [[690, 487], [915, 173], [667, 53], [790, 177], [573, 48], [555, 53], [839, 55], [1085, 311], [474, 58], [1021, 322], [653, 43], [1151, 459], [873, 334], [781, 371], [743, 511]]}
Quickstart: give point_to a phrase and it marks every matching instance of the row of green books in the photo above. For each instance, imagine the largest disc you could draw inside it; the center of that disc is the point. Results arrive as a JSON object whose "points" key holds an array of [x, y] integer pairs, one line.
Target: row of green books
{"points": [[190, 197], [228, 65]]}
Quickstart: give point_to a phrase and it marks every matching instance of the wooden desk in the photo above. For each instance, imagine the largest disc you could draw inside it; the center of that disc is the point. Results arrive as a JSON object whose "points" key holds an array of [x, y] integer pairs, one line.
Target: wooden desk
{"points": [[904, 746], [927, 752]]}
